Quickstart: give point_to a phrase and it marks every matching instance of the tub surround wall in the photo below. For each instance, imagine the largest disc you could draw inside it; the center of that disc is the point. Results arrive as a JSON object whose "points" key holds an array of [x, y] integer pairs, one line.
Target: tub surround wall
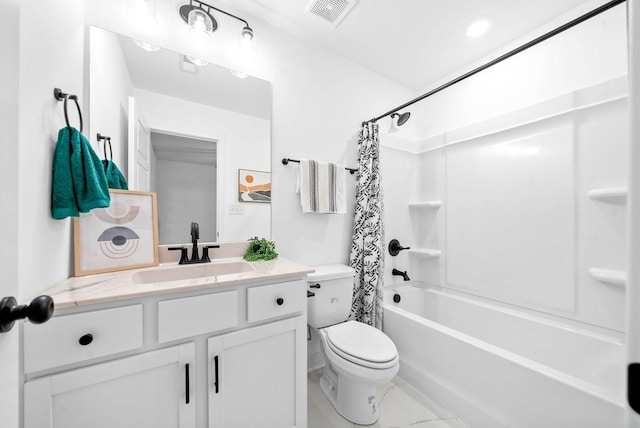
{"points": [[510, 217]]}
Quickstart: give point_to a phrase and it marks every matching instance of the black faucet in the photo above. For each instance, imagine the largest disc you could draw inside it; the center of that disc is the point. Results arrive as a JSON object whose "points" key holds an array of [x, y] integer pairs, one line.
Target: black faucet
{"points": [[400, 273], [195, 258], [195, 235]]}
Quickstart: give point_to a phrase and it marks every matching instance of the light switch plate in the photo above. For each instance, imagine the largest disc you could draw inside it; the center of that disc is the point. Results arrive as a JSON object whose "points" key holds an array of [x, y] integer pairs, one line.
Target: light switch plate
{"points": [[236, 210]]}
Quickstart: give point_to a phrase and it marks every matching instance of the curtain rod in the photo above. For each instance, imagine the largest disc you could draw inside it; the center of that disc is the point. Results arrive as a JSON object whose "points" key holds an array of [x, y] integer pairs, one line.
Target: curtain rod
{"points": [[501, 58]]}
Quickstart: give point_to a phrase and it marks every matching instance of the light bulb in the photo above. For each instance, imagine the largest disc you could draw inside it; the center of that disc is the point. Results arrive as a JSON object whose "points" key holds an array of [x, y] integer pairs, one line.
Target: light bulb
{"points": [[200, 27]]}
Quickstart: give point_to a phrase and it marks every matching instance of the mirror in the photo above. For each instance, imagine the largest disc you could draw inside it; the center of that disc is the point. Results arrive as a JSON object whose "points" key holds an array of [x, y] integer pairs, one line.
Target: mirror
{"points": [[198, 130]]}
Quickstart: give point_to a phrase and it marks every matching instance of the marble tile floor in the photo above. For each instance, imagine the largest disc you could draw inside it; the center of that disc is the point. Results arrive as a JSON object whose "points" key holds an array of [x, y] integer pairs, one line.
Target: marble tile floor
{"points": [[401, 406]]}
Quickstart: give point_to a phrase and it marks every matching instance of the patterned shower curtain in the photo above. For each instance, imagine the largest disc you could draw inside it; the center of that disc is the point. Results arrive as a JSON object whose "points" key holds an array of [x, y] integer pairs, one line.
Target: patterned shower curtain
{"points": [[367, 247]]}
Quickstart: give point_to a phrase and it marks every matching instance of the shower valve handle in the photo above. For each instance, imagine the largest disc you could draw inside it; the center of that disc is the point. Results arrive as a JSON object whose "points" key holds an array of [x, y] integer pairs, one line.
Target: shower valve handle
{"points": [[395, 247]]}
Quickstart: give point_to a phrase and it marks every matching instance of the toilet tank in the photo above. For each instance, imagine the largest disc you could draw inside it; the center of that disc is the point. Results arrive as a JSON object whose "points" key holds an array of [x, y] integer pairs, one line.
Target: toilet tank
{"points": [[332, 286]]}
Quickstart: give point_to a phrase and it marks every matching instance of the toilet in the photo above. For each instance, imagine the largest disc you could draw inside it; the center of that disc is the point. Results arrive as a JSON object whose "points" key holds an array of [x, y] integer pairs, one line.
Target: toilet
{"points": [[357, 356]]}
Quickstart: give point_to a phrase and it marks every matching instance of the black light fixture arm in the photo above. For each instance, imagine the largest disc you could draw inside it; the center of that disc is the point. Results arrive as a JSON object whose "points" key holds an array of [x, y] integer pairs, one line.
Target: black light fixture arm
{"points": [[501, 58], [202, 5]]}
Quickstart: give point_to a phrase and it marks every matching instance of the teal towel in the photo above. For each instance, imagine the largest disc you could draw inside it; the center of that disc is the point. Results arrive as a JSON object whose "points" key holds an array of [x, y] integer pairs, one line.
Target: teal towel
{"points": [[78, 182], [115, 179]]}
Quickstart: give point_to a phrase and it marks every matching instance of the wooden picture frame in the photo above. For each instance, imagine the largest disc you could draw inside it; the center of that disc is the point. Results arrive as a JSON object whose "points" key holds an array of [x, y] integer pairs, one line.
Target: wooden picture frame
{"points": [[119, 237], [254, 186]]}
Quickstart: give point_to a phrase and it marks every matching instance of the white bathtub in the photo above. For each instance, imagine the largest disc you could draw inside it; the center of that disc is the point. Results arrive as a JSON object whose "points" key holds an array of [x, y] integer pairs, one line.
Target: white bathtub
{"points": [[497, 367]]}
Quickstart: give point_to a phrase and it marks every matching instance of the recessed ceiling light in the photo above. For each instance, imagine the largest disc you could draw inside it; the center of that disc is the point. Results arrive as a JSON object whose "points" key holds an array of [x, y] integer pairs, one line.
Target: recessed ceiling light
{"points": [[478, 28]]}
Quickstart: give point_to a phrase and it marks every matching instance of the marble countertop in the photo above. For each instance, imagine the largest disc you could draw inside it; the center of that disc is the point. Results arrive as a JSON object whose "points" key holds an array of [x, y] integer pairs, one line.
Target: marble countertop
{"points": [[112, 286]]}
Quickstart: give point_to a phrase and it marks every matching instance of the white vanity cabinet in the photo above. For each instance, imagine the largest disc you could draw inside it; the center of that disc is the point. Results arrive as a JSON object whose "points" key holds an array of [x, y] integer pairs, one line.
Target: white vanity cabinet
{"points": [[255, 378], [224, 356], [146, 390]]}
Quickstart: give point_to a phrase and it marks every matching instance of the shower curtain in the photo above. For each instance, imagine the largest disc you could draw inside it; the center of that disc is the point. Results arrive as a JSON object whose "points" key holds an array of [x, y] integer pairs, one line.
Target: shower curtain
{"points": [[367, 247]]}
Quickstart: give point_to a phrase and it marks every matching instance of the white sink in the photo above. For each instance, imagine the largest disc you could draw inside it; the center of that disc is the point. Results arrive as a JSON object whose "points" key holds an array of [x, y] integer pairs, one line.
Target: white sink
{"points": [[182, 272]]}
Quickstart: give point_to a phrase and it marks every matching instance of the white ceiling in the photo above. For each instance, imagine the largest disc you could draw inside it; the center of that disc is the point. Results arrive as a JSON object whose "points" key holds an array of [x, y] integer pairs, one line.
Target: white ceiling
{"points": [[416, 42]]}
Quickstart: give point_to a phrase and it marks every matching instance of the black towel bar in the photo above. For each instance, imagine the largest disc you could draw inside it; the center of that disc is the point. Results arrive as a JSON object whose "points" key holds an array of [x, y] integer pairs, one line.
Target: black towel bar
{"points": [[61, 96], [285, 161]]}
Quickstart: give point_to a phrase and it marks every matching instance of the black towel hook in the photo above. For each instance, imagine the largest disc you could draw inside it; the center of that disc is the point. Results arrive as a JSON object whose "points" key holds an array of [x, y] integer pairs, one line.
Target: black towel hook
{"points": [[61, 96]]}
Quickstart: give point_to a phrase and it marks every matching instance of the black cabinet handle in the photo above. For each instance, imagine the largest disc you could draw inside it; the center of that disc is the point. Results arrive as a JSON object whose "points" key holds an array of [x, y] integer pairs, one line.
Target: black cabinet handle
{"points": [[86, 339], [38, 311], [280, 301], [215, 373], [315, 286], [186, 383]]}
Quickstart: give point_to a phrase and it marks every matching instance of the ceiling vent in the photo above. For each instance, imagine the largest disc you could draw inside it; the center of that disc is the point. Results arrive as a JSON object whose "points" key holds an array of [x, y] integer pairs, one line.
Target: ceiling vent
{"points": [[331, 11]]}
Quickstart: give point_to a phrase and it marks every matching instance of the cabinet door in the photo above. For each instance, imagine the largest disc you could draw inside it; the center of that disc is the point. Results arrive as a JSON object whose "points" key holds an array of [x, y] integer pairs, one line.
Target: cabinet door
{"points": [[257, 376], [150, 390]]}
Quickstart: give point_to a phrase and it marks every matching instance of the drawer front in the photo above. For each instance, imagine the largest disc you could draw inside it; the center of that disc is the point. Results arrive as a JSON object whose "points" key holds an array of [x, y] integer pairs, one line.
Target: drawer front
{"points": [[78, 337], [191, 316], [270, 301]]}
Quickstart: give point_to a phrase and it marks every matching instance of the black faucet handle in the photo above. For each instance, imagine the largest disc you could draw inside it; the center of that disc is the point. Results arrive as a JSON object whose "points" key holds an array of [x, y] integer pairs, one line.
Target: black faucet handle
{"points": [[205, 252], [183, 254]]}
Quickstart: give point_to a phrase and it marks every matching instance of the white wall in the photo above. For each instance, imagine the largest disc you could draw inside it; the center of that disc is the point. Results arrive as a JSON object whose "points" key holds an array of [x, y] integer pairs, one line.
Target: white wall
{"points": [[181, 185], [9, 134], [593, 52], [109, 89]]}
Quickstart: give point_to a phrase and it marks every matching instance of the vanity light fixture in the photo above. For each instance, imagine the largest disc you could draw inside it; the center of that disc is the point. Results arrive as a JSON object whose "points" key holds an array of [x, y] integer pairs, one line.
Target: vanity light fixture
{"points": [[198, 16]]}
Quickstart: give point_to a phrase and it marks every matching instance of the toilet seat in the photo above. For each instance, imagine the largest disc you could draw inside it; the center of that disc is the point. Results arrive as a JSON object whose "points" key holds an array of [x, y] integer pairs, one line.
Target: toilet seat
{"points": [[362, 344]]}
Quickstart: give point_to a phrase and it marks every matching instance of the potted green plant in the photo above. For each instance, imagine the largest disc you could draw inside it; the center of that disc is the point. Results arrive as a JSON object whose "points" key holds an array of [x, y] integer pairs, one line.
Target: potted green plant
{"points": [[262, 252]]}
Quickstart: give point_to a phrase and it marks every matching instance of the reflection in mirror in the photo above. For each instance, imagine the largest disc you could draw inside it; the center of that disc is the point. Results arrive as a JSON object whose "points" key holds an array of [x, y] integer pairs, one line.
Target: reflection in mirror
{"points": [[184, 132]]}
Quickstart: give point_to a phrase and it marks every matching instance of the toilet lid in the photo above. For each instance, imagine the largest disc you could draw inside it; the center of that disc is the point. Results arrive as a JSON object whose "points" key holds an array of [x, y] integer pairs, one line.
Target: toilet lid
{"points": [[362, 342]]}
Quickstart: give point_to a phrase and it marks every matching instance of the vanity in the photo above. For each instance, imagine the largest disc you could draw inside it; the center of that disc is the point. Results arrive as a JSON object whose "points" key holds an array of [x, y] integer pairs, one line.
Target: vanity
{"points": [[153, 347]]}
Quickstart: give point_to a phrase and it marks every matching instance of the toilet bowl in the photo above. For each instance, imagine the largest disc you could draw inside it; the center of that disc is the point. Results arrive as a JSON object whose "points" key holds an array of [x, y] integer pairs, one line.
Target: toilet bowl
{"points": [[357, 357]]}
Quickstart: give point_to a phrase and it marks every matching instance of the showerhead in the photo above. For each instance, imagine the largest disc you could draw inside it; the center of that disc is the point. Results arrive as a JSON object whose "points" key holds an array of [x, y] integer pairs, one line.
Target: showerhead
{"points": [[402, 118]]}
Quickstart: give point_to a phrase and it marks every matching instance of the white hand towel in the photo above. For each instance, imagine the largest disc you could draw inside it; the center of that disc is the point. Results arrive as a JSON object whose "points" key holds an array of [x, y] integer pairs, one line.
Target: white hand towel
{"points": [[322, 187]]}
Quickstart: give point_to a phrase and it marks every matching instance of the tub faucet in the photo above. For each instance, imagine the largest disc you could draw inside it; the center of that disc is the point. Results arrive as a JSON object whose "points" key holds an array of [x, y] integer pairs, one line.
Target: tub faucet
{"points": [[400, 273]]}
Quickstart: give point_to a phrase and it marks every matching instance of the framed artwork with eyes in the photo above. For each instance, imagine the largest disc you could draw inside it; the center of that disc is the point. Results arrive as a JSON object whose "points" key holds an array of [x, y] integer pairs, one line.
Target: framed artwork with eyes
{"points": [[121, 236]]}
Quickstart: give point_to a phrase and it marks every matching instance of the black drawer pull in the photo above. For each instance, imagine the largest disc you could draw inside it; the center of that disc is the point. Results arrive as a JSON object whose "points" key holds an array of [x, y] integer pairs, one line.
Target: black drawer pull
{"points": [[86, 339], [186, 383], [216, 384], [280, 301], [315, 286]]}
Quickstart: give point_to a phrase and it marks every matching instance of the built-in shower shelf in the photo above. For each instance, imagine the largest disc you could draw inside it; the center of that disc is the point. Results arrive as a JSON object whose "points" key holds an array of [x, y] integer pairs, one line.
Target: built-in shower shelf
{"points": [[425, 252], [611, 194], [610, 276], [425, 204]]}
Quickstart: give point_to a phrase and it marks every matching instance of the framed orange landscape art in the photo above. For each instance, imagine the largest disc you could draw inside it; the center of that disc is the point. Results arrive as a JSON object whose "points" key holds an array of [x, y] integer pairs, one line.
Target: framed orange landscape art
{"points": [[254, 186]]}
